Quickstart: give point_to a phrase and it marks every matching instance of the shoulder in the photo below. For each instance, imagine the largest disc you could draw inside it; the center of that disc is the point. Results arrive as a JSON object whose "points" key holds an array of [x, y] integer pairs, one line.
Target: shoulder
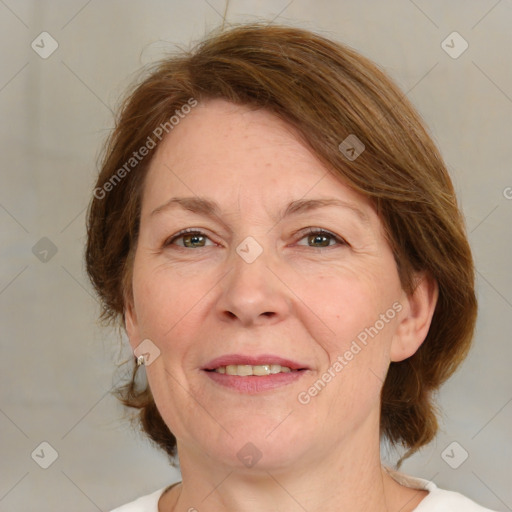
{"points": [[437, 500], [148, 503]]}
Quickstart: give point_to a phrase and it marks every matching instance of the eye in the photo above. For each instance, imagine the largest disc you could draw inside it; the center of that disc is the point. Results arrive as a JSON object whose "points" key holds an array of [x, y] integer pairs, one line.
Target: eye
{"points": [[322, 238], [195, 239], [190, 238]]}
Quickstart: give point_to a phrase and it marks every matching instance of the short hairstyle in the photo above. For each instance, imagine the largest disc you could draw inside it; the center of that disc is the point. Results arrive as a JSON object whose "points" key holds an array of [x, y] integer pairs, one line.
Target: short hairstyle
{"points": [[328, 92]]}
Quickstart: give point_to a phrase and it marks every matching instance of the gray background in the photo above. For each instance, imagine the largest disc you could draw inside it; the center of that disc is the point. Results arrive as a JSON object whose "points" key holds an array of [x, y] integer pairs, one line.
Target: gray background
{"points": [[57, 364]]}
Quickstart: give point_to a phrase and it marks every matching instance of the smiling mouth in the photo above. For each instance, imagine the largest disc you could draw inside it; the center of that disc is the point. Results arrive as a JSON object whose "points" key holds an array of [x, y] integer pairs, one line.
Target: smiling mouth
{"points": [[247, 370]]}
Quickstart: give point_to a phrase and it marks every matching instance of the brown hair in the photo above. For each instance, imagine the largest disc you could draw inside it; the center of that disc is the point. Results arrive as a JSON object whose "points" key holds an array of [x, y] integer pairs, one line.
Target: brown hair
{"points": [[326, 91]]}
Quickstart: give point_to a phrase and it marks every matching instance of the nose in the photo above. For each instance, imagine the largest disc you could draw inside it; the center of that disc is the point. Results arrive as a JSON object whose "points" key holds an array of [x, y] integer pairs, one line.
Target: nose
{"points": [[253, 293]]}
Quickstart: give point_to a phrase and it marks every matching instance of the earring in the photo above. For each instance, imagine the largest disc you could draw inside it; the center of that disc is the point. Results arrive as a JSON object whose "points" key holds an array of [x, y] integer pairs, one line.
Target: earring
{"points": [[140, 360]]}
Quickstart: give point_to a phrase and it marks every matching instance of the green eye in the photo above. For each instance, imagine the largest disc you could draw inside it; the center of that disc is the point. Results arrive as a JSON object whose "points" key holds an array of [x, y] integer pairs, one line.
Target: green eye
{"points": [[190, 239], [321, 238], [194, 239]]}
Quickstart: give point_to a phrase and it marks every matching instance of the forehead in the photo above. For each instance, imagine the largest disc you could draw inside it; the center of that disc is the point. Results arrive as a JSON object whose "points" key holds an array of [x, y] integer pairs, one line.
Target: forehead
{"points": [[235, 153], [219, 133]]}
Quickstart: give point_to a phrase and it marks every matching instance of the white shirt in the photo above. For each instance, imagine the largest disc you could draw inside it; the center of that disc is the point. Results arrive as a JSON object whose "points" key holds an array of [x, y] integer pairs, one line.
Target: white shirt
{"points": [[437, 500]]}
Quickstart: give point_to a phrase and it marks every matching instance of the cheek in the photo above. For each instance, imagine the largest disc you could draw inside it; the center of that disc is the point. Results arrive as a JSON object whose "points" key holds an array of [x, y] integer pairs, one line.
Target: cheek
{"points": [[360, 309], [357, 354], [351, 301], [172, 310], [163, 299], [150, 303]]}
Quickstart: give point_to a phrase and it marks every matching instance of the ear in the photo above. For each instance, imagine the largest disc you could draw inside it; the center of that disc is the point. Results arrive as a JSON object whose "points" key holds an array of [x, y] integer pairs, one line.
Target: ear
{"points": [[416, 317]]}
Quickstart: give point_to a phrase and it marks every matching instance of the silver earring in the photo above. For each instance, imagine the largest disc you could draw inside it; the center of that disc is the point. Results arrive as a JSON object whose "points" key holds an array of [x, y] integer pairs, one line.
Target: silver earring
{"points": [[140, 360]]}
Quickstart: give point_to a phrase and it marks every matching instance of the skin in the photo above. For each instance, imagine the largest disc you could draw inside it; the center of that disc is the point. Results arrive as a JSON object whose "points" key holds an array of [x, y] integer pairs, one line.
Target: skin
{"points": [[197, 299]]}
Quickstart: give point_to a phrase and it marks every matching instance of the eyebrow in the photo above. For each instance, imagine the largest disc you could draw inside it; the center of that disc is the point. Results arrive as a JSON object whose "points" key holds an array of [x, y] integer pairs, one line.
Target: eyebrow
{"points": [[211, 208]]}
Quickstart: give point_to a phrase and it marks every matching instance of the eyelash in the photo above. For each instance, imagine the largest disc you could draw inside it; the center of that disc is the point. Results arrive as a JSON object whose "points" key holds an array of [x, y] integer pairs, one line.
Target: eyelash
{"points": [[309, 232]]}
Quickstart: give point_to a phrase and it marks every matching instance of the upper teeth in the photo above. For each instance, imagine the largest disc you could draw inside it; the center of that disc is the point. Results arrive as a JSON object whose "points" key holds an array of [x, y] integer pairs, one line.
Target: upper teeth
{"points": [[244, 370]]}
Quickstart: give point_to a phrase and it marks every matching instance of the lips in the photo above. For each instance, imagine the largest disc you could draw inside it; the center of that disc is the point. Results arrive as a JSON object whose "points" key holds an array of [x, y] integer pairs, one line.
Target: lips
{"points": [[254, 374], [264, 359]]}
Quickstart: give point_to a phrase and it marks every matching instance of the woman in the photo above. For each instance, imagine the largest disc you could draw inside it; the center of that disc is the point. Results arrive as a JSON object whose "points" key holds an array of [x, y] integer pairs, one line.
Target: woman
{"points": [[280, 238]]}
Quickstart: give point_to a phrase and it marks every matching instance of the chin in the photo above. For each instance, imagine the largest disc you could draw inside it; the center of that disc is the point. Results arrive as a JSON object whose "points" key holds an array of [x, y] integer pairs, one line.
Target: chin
{"points": [[269, 447]]}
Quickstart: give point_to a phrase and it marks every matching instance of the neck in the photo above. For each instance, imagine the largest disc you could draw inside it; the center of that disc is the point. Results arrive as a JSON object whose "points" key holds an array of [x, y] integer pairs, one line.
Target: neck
{"points": [[348, 478]]}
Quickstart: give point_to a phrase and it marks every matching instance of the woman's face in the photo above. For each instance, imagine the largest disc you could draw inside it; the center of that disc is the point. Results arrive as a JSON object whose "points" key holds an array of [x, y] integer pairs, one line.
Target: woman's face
{"points": [[285, 266]]}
